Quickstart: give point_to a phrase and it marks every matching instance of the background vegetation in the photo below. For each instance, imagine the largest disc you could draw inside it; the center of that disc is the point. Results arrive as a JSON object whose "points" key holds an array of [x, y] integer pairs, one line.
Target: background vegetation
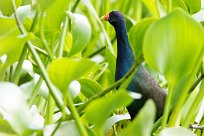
{"points": [[57, 65]]}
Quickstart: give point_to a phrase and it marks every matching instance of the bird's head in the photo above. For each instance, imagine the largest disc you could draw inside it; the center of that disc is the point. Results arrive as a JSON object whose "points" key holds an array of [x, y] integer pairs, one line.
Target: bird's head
{"points": [[114, 18]]}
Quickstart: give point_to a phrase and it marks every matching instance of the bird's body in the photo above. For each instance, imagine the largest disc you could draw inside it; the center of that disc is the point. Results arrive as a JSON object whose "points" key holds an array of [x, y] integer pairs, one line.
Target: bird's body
{"points": [[142, 82]]}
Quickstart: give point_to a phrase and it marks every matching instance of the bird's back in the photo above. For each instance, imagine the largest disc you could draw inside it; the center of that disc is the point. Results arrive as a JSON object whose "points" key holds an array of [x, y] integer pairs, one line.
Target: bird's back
{"points": [[145, 84]]}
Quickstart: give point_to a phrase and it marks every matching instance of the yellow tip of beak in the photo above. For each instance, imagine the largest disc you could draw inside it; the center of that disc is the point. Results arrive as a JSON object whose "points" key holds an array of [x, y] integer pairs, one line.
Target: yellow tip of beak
{"points": [[105, 17]]}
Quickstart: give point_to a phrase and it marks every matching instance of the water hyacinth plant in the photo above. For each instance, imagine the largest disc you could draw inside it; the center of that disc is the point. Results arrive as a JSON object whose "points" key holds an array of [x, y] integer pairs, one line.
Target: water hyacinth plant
{"points": [[58, 67]]}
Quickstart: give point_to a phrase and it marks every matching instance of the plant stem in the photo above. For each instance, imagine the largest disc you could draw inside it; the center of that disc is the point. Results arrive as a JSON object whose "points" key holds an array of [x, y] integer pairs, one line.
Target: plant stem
{"points": [[169, 5], [76, 116], [156, 125], [49, 110], [58, 125], [96, 52], [17, 73], [91, 8], [34, 91], [47, 48], [73, 10], [62, 38], [167, 107], [75, 6], [41, 51], [34, 20], [185, 86], [194, 106], [139, 10], [57, 98], [200, 78]]}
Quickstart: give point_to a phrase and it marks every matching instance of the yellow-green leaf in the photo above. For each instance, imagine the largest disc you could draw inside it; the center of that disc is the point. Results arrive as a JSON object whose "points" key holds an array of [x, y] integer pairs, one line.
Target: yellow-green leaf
{"points": [[81, 32], [100, 109], [136, 36], [142, 124], [174, 45], [63, 71], [6, 6]]}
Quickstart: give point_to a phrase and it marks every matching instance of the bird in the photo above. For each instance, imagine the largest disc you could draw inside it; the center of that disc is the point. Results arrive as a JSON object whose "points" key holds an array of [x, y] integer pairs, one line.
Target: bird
{"points": [[142, 82]]}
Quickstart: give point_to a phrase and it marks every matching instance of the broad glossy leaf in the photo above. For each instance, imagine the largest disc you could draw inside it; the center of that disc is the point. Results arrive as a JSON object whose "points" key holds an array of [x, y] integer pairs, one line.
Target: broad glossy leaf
{"points": [[142, 124], [113, 120], [111, 58], [151, 6], [176, 131], [74, 88], [106, 79], [90, 7], [44, 4], [129, 22], [9, 45], [15, 110], [7, 134], [196, 102], [100, 109], [23, 12], [26, 2], [68, 42], [175, 4], [66, 128], [63, 71], [174, 45], [193, 5], [89, 87], [81, 32], [55, 13], [136, 36], [6, 6], [8, 27], [5, 127]]}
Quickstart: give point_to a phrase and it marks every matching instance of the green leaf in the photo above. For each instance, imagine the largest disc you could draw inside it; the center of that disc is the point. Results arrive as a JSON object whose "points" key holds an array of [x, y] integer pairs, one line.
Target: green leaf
{"points": [[89, 87], [81, 32], [6, 134], [65, 128], [6, 6], [8, 27], [175, 4], [55, 13], [193, 5], [23, 12], [90, 7], [5, 127], [63, 71], [129, 22], [111, 58], [176, 50], [68, 126], [113, 120], [142, 124], [100, 109], [74, 88], [136, 36], [151, 6], [26, 2], [196, 103], [176, 131], [15, 110], [44, 4], [9, 45]]}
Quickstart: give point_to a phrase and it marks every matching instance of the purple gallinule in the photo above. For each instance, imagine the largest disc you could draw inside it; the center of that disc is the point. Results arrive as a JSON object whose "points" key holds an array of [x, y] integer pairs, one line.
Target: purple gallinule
{"points": [[142, 82]]}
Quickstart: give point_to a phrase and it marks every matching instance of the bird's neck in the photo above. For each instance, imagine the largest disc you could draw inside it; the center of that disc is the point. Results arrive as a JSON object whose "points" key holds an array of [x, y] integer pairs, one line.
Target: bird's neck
{"points": [[125, 57]]}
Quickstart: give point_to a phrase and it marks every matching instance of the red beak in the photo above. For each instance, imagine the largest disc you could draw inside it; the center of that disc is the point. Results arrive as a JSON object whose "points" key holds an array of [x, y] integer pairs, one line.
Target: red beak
{"points": [[105, 17]]}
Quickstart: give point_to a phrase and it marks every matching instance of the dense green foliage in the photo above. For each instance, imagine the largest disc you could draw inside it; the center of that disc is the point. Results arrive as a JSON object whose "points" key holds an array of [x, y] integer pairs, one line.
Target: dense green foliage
{"points": [[57, 67]]}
